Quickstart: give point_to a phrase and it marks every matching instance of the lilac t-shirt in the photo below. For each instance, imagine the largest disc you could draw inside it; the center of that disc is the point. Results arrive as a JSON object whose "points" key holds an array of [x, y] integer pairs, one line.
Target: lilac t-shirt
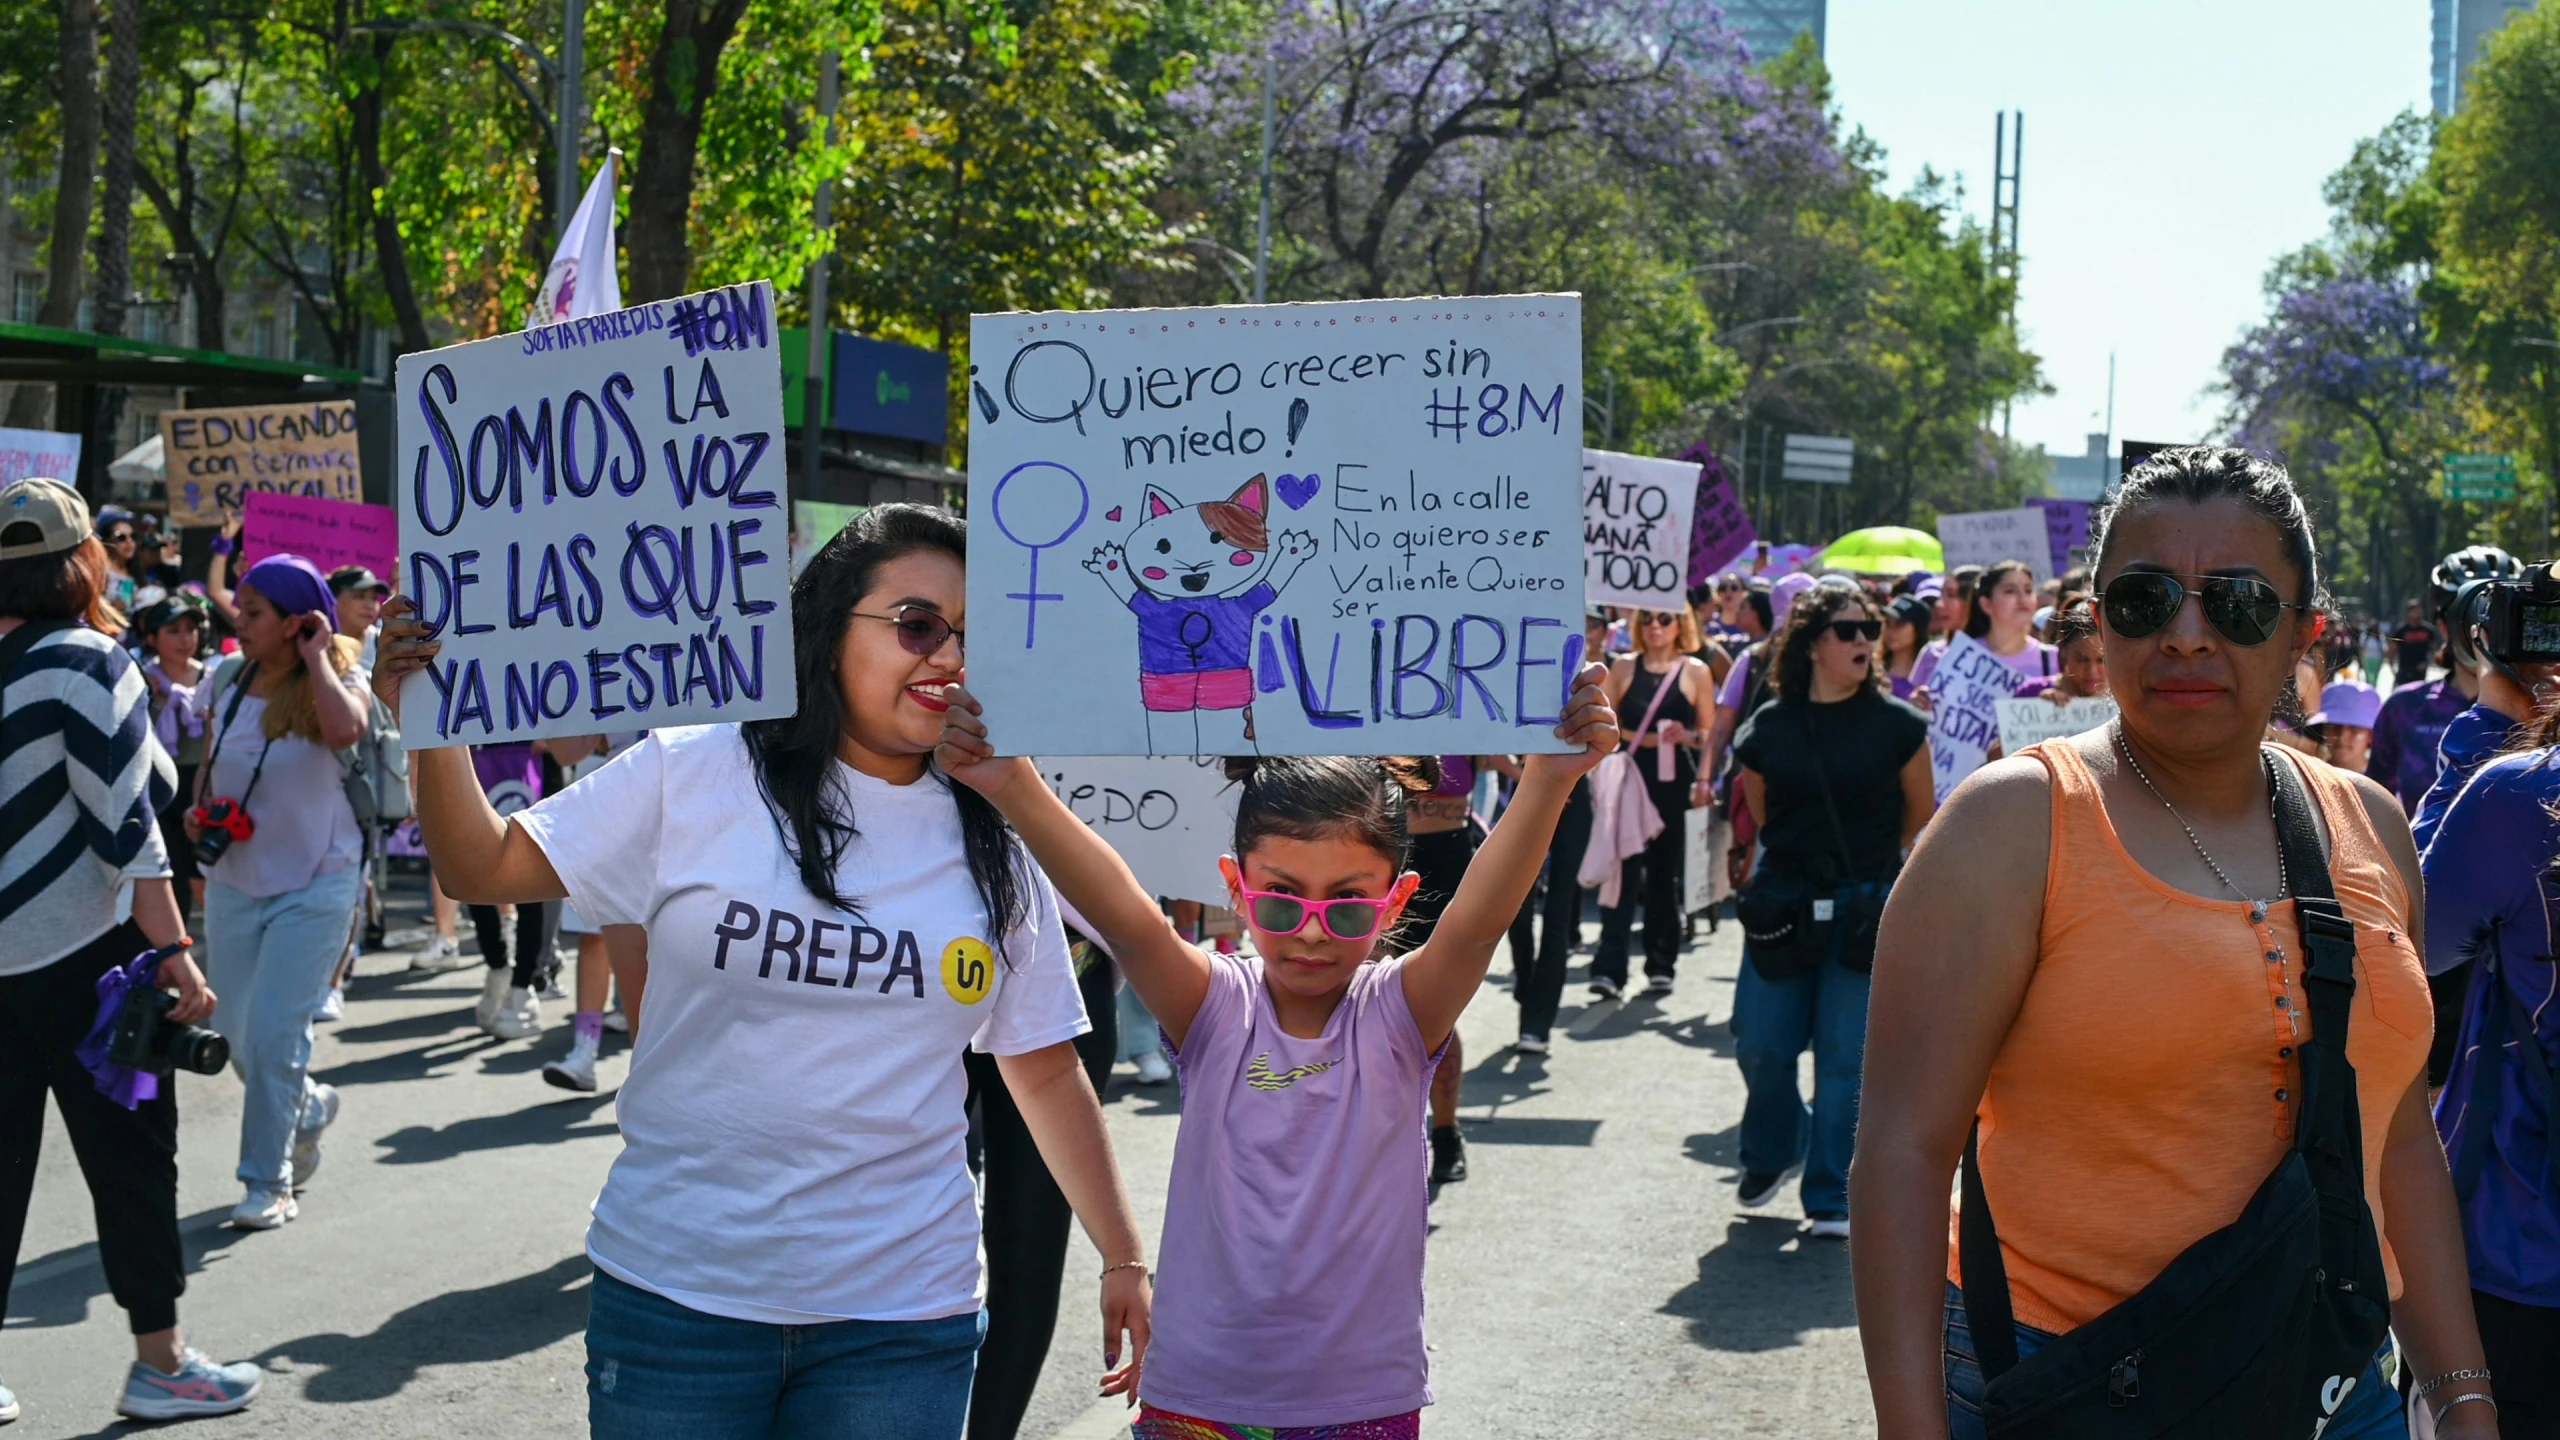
{"points": [[1289, 1290]]}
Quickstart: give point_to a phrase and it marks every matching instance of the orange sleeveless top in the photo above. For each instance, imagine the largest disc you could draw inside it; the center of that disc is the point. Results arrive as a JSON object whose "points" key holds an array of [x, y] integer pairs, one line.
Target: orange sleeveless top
{"points": [[2145, 1089]]}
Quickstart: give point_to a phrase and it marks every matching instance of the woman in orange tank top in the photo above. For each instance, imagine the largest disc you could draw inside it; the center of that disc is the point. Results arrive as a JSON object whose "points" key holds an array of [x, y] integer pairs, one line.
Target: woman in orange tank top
{"points": [[2094, 953]]}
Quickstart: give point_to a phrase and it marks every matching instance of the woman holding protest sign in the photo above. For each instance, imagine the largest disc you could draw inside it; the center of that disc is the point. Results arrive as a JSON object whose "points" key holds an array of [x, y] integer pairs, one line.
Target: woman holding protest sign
{"points": [[824, 837], [2099, 963], [1836, 774], [1675, 696], [284, 864]]}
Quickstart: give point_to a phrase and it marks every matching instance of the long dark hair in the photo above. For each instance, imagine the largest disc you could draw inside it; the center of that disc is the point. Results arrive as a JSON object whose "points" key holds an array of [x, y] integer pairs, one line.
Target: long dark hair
{"points": [[1814, 611], [1977, 614], [795, 756]]}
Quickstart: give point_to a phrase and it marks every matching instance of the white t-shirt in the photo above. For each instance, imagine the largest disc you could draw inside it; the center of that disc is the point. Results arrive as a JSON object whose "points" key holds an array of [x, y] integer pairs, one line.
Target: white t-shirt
{"points": [[792, 1126]]}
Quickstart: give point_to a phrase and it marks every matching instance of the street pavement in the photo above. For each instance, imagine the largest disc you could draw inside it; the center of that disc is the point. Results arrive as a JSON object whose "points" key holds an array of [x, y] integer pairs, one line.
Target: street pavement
{"points": [[1593, 1277]]}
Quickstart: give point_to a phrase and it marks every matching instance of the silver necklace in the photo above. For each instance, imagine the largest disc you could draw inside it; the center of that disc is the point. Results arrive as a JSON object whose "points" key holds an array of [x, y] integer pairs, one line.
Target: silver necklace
{"points": [[2284, 879]]}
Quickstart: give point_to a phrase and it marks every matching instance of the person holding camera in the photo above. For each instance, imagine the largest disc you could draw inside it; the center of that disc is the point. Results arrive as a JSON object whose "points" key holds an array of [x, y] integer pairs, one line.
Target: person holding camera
{"points": [[2510, 690], [80, 768], [1836, 774], [282, 852], [2492, 891]]}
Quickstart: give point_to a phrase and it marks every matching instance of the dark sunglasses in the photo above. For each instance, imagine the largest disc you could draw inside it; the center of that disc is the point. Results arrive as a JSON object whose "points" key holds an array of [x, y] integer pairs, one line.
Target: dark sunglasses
{"points": [[119, 537], [920, 631], [1858, 629], [1661, 617], [2244, 610], [1351, 918]]}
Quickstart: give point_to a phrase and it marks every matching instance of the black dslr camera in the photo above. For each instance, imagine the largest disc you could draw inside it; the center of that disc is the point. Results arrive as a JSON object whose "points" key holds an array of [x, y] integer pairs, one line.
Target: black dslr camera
{"points": [[2520, 619], [224, 822], [147, 1039]]}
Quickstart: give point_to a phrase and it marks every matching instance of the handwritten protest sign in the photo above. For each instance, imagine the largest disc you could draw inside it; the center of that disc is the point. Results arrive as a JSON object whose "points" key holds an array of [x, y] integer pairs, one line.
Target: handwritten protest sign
{"points": [[2066, 529], [591, 518], [1705, 862], [2037, 719], [1340, 528], [1635, 530], [328, 533], [1987, 537], [1170, 817], [39, 452], [1966, 688], [1722, 534], [217, 458]]}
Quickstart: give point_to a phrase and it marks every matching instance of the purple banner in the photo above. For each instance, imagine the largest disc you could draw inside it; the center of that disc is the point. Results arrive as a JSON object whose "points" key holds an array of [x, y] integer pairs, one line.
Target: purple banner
{"points": [[1721, 533], [2066, 528]]}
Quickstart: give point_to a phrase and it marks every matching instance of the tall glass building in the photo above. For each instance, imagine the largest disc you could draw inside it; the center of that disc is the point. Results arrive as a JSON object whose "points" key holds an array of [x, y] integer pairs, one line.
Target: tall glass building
{"points": [[1768, 27], [2453, 43]]}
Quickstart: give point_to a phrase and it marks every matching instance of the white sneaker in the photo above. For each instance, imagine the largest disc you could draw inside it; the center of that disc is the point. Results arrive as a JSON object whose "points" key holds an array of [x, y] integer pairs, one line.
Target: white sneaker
{"points": [[8, 1405], [306, 1137], [437, 954], [493, 993], [1831, 1229], [264, 1210], [1530, 1044], [578, 1070], [519, 1016], [616, 1021], [1657, 984], [333, 1006], [1152, 1069]]}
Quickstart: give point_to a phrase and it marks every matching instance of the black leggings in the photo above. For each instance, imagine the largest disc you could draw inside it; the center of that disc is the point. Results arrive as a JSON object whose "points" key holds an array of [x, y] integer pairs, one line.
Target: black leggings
{"points": [[1658, 874], [1026, 1223], [128, 1157], [533, 939], [1440, 862], [1541, 983], [2520, 1342]]}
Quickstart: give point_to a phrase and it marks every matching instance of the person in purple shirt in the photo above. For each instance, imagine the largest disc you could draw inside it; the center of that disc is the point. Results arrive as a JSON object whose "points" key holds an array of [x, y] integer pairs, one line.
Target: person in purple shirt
{"points": [[2407, 732], [1292, 1294], [2491, 898]]}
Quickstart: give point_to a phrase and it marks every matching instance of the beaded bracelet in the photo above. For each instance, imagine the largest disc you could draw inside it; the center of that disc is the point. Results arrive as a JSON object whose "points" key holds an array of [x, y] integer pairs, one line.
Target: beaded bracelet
{"points": [[1138, 1265]]}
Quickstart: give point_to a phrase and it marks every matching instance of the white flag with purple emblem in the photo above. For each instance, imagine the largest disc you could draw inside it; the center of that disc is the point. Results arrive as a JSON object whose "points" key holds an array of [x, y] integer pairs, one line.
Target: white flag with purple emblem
{"points": [[581, 280]]}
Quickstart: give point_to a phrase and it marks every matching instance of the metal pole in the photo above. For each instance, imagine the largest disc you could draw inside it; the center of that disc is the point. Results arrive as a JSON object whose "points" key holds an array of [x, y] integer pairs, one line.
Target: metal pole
{"points": [[813, 404], [570, 118], [1262, 227]]}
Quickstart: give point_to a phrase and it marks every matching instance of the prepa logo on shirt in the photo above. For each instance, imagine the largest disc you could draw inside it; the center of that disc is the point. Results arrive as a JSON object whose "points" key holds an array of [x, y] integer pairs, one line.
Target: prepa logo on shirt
{"points": [[815, 950]]}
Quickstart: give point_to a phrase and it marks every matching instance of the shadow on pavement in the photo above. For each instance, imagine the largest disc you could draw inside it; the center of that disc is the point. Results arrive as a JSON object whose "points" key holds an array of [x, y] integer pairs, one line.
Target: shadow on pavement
{"points": [[1721, 1148], [420, 1063], [1765, 1287], [553, 1123], [461, 1327], [59, 1288]]}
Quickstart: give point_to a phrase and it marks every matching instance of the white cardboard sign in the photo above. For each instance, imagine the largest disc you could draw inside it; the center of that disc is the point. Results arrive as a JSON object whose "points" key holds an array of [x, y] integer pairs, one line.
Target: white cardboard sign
{"points": [[1966, 691], [1987, 537], [1705, 859], [1635, 530], [49, 453], [2036, 719], [591, 518], [1170, 817], [1339, 528]]}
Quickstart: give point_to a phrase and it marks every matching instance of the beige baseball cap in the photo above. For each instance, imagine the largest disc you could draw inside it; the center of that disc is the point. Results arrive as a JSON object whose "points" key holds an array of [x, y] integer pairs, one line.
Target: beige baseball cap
{"points": [[55, 511]]}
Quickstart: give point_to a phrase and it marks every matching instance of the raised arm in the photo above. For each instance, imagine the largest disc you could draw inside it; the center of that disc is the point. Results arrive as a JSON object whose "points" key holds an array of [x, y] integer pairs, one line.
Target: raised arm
{"points": [[1953, 960], [479, 858], [1171, 976], [1442, 976]]}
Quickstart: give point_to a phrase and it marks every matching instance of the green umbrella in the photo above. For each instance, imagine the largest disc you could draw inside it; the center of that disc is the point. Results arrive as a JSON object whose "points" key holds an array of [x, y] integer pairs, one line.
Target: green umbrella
{"points": [[1884, 550]]}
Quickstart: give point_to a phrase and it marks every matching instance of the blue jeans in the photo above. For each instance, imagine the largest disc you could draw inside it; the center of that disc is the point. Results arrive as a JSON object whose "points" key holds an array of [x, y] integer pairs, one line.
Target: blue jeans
{"points": [[2371, 1410], [269, 962], [1773, 1022], [657, 1370]]}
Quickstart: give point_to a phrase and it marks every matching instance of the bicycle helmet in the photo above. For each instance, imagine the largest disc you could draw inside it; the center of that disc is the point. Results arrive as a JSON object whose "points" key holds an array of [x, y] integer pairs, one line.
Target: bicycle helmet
{"points": [[2472, 562]]}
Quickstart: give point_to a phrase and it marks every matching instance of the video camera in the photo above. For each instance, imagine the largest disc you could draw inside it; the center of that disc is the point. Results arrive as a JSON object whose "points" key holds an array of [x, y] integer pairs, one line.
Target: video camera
{"points": [[2517, 622]]}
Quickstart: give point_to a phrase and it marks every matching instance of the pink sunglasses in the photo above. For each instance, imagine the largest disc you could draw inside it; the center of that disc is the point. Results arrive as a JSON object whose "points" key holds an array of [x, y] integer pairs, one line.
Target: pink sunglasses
{"points": [[1287, 914]]}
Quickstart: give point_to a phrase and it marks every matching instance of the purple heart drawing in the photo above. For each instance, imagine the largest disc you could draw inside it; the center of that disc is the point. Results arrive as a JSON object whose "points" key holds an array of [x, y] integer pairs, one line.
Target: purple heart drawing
{"points": [[1297, 490], [1111, 514]]}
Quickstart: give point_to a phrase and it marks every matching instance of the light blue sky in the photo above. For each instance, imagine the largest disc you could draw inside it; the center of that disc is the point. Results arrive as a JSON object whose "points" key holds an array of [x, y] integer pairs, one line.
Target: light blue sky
{"points": [[2173, 148]]}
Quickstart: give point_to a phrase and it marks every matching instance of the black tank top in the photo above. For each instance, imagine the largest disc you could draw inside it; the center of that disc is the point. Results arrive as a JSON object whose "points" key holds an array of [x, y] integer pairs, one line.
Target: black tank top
{"points": [[1675, 706]]}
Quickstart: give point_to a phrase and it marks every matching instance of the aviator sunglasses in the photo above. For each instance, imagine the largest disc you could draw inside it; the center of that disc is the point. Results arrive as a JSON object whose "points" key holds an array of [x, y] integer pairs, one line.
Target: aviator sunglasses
{"points": [[2245, 610], [920, 631], [1287, 914]]}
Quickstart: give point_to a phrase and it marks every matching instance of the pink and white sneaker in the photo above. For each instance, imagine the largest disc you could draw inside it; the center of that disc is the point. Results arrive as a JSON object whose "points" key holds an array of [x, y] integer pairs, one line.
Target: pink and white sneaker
{"points": [[199, 1388]]}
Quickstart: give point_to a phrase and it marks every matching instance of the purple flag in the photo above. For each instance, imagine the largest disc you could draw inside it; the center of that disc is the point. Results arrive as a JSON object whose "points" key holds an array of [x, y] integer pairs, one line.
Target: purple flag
{"points": [[2066, 527], [1721, 532]]}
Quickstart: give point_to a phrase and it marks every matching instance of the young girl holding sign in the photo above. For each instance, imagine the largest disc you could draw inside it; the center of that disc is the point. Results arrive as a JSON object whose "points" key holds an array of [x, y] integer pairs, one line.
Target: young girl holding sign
{"points": [[1293, 1236]]}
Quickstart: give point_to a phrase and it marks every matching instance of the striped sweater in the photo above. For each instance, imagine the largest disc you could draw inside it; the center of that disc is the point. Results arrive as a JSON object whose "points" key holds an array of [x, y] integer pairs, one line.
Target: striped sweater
{"points": [[82, 783]]}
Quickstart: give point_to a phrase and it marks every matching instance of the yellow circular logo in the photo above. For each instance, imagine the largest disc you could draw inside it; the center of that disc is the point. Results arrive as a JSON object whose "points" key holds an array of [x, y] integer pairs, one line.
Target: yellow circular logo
{"points": [[968, 968]]}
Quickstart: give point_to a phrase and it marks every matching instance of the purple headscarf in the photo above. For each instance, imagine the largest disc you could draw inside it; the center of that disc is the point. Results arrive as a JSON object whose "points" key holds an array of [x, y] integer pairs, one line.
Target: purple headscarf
{"points": [[294, 586]]}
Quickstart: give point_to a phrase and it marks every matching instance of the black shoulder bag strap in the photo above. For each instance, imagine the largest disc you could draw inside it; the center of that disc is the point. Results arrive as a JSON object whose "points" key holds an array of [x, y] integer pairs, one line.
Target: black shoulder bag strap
{"points": [[2326, 1122], [1822, 779]]}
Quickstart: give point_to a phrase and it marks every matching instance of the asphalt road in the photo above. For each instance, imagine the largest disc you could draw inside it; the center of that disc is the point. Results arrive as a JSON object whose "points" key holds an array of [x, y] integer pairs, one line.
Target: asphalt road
{"points": [[1593, 1277]]}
